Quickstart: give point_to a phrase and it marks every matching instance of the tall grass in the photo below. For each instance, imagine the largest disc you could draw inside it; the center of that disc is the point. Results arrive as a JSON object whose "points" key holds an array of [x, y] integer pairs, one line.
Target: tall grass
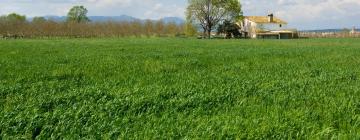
{"points": [[180, 88]]}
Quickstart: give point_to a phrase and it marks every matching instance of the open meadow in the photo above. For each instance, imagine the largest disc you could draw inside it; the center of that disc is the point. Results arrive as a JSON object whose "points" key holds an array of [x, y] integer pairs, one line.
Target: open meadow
{"points": [[156, 88]]}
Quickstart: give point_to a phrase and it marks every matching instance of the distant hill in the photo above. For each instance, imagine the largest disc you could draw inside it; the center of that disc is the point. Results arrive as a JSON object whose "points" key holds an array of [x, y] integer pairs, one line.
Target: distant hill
{"points": [[56, 18], [176, 20], [112, 18], [327, 30], [121, 18]]}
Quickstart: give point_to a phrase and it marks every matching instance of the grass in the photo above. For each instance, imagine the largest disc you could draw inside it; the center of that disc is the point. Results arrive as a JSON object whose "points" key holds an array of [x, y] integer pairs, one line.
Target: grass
{"points": [[180, 88]]}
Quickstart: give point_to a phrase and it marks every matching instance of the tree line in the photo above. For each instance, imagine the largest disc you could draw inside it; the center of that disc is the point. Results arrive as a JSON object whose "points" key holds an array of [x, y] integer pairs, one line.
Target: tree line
{"points": [[41, 28], [78, 24], [210, 15]]}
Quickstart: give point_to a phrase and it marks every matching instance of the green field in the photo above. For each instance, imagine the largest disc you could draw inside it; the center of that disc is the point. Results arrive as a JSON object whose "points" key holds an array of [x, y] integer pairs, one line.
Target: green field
{"points": [[163, 88]]}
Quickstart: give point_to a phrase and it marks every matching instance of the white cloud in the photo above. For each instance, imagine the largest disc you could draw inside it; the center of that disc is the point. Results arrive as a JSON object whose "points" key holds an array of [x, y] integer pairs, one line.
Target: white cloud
{"points": [[306, 14], [162, 10]]}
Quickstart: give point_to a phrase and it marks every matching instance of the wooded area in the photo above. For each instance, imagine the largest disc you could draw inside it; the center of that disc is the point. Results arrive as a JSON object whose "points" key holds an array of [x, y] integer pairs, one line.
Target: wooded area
{"points": [[20, 28], [107, 29]]}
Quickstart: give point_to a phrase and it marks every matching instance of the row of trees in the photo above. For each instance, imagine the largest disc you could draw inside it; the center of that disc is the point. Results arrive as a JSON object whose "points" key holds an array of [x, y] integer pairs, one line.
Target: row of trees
{"points": [[47, 28], [78, 24], [41, 27], [210, 15]]}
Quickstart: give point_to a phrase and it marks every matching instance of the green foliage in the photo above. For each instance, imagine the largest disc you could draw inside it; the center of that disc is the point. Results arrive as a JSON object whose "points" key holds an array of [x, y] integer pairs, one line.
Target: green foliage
{"points": [[229, 29], [209, 13], [38, 20], [166, 88], [78, 14], [13, 18], [190, 30], [346, 30], [16, 17]]}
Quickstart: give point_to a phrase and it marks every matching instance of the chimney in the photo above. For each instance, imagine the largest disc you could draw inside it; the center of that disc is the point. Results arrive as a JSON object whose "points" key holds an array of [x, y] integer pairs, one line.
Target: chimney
{"points": [[271, 17]]}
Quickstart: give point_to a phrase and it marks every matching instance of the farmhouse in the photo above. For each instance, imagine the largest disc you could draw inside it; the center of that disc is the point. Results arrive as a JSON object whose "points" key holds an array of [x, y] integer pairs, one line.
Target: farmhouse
{"points": [[353, 31], [266, 27]]}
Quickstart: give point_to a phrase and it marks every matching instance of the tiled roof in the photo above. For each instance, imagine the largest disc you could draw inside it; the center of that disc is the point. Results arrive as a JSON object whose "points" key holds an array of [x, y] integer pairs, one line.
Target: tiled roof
{"points": [[264, 19]]}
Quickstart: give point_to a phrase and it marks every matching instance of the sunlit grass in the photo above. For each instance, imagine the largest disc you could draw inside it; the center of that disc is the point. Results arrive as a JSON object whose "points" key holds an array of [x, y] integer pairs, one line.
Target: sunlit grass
{"points": [[180, 88]]}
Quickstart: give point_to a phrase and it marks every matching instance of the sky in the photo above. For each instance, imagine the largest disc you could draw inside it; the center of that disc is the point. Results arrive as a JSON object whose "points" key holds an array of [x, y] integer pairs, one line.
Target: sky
{"points": [[301, 14]]}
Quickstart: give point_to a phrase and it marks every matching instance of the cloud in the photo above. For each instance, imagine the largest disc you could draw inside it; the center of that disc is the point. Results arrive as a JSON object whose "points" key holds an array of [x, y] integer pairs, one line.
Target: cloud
{"points": [[140, 8], [162, 10], [306, 14]]}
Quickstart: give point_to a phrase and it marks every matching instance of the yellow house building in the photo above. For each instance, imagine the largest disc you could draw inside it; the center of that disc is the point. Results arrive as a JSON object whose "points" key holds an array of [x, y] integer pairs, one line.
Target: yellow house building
{"points": [[266, 27]]}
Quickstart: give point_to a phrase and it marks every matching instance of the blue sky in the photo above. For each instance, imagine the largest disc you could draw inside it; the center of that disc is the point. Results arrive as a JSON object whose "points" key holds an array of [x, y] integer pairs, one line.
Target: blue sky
{"points": [[301, 14]]}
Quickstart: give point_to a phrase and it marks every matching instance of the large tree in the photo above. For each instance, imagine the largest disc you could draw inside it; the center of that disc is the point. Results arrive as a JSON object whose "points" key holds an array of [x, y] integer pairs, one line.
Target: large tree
{"points": [[209, 13], [12, 24], [78, 14], [14, 18]]}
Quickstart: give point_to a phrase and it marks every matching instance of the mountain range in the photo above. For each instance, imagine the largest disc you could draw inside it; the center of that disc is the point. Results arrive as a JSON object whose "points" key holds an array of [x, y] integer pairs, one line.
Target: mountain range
{"points": [[122, 18]]}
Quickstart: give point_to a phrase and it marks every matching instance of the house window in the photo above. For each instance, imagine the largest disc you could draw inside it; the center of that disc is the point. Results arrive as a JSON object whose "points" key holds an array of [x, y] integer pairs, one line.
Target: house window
{"points": [[280, 25]]}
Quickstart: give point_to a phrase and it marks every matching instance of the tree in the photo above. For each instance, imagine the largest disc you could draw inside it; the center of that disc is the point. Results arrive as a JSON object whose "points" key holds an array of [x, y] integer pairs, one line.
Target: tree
{"points": [[230, 29], [78, 14], [209, 13], [171, 28], [15, 18], [190, 30], [38, 20], [149, 28], [159, 27], [345, 30]]}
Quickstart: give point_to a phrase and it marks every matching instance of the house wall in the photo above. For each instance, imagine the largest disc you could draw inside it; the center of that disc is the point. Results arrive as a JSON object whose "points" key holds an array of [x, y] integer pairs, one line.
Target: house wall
{"points": [[271, 26], [252, 27]]}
